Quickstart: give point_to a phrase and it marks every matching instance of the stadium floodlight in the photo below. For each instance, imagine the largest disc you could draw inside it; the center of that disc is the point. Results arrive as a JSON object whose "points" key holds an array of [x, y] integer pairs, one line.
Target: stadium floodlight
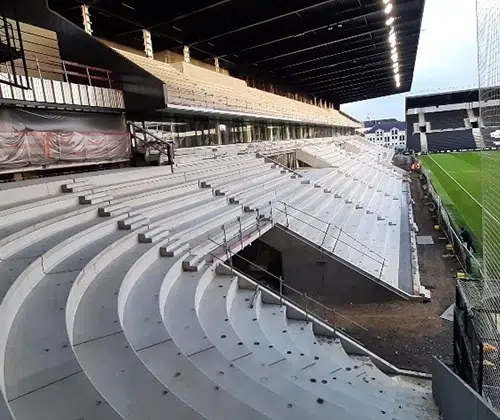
{"points": [[398, 84], [392, 30], [389, 21], [394, 57], [394, 50], [386, 1], [388, 8], [395, 65], [392, 36]]}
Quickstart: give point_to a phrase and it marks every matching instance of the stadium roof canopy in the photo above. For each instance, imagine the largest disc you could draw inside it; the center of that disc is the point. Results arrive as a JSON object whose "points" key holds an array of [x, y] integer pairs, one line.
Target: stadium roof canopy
{"points": [[337, 50]]}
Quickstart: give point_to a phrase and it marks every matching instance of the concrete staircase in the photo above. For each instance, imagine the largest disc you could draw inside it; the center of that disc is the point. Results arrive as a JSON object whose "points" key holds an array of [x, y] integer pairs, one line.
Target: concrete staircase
{"points": [[116, 304]]}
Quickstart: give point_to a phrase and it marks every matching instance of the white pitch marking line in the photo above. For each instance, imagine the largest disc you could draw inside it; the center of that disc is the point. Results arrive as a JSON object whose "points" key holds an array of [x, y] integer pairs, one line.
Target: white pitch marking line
{"points": [[456, 182], [466, 192]]}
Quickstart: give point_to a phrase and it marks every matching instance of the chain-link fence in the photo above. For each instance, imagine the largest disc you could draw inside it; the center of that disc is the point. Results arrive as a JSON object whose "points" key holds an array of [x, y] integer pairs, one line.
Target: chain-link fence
{"points": [[477, 315]]}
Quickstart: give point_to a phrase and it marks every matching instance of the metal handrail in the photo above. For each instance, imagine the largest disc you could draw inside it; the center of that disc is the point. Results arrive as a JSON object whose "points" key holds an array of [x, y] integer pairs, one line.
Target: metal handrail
{"points": [[168, 145], [329, 225], [258, 154], [283, 285]]}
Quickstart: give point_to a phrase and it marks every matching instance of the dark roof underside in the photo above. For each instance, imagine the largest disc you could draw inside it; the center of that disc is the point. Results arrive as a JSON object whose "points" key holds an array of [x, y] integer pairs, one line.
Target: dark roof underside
{"points": [[336, 50], [442, 98]]}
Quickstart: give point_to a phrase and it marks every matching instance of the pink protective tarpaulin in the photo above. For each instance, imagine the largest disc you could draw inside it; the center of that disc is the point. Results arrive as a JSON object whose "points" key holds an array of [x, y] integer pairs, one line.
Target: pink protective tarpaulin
{"points": [[43, 137]]}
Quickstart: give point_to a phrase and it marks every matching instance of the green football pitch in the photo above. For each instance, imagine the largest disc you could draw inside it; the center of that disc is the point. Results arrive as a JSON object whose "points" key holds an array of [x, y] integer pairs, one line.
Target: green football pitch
{"points": [[457, 178]]}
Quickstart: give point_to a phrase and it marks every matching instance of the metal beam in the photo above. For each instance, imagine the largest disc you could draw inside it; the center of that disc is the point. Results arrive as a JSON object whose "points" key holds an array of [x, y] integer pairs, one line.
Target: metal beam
{"points": [[353, 16], [356, 34], [272, 19], [192, 13]]}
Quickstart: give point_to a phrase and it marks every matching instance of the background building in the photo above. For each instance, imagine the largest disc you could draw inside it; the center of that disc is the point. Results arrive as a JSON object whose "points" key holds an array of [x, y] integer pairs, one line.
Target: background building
{"points": [[389, 133]]}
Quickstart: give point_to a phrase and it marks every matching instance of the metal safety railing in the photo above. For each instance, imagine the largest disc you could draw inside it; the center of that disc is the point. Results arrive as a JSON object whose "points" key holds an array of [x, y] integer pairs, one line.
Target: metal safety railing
{"points": [[150, 140], [286, 293], [329, 230]]}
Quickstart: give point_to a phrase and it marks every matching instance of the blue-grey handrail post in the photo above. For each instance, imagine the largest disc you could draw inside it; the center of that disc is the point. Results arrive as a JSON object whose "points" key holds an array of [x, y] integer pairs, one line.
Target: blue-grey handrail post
{"points": [[326, 233], [240, 232], [281, 291], [337, 241], [286, 216], [382, 269], [258, 220], [305, 304], [226, 248]]}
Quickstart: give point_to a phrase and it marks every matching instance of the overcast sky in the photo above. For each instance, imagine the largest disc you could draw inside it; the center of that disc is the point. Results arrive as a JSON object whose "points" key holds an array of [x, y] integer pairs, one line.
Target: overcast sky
{"points": [[446, 58]]}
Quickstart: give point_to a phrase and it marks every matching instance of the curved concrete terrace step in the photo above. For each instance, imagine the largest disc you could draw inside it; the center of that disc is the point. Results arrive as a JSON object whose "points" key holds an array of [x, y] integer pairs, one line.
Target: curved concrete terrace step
{"points": [[141, 320], [40, 263]]}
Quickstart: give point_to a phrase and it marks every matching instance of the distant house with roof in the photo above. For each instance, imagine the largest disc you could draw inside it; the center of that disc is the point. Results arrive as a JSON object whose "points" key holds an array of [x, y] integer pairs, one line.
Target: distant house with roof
{"points": [[389, 133]]}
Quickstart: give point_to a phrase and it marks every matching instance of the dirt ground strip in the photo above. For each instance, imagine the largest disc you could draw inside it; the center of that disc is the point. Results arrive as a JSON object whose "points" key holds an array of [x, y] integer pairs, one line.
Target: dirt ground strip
{"points": [[408, 334]]}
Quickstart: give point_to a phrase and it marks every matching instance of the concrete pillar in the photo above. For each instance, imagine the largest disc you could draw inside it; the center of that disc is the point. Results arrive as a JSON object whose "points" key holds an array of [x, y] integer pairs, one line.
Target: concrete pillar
{"points": [[187, 56], [218, 132], [287, 132], [270, 129], [87, 24], [216, 64], [148, 43], [248, 130]]}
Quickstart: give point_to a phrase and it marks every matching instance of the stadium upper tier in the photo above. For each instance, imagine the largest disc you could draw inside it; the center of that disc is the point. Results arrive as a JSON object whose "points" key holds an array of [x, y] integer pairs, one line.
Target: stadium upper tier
{"points": [[116, 304], [187, 91]]}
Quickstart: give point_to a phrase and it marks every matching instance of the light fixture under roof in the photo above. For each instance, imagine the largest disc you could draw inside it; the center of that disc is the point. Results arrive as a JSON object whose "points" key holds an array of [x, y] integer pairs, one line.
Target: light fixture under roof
{"points": [[388, 9]]}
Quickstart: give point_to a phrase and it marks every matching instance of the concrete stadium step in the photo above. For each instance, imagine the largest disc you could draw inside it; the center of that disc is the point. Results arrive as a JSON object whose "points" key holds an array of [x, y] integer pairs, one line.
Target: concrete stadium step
{"points": [[178, 294], [25, 211], [238, 187], [76, 186], [142, 324], [223, 336], [34, 387], [133, 222], [236, 235], [39, 231], [95, 198], [100, 344], [176, 202], [113, 210], [208, 181], [157, 196], [364, 402], [218, 187], [153, 235]]}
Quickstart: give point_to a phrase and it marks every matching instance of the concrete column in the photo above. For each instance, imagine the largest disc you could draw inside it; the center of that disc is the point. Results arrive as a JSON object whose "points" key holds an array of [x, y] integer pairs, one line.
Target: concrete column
{"points": [[216, 64], [218, 133], [270, 137], [248, 130], [187, 56], [87, 24], [148, 43], [287, 132]]}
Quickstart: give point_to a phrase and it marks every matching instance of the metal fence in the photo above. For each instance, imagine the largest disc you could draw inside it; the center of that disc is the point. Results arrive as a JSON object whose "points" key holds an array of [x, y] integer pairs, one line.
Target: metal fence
{"points": [[467, 346], [468, 261], [223, 251]]}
